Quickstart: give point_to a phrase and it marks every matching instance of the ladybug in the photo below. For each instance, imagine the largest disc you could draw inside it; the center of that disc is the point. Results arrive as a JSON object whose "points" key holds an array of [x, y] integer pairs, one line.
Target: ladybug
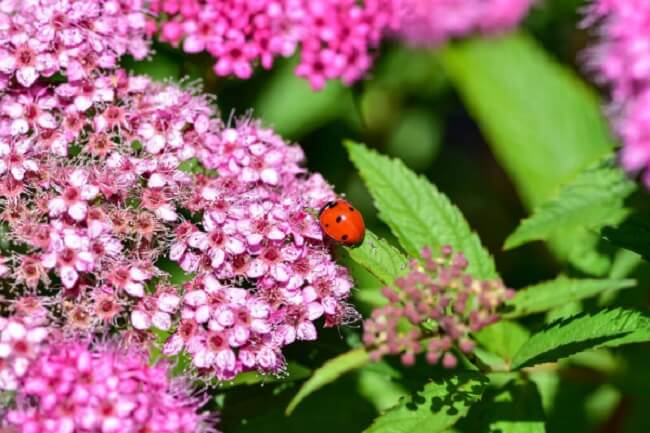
{"points": [[342, 223]]}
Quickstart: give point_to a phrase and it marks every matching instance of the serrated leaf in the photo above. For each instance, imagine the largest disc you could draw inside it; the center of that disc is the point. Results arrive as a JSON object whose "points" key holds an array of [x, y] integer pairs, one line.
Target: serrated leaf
{"points": [[542, 122], [561, 291], [436, 408], [607, 328], [380, 258], [503, 338], [417, 213], [632, 234], [517, 408], [329, 372], [592, 200]]}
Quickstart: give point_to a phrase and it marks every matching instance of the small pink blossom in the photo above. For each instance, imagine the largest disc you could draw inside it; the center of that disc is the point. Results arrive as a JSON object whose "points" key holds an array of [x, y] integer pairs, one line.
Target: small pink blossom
{"points": [[20, 344], [75, 194]]}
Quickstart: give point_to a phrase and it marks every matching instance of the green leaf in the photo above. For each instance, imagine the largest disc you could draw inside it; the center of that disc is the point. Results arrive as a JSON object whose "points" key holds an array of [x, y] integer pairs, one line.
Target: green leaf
{"points": [[417, 213], [380, 258], [329, 372], [379, 384], [555, 293], [632, 234], [517, 408], [592, 200], [503, 338], [607, 328], [436, 408], [542, 122]]}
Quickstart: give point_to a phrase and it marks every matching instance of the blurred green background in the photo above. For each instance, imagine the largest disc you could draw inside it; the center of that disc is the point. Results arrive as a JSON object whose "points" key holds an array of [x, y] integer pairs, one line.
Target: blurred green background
{"points": [[408, 108]]}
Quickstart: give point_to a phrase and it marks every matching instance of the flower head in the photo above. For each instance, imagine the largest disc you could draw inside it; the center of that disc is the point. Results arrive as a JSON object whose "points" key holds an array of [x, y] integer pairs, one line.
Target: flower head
{"points": [[75, 386], [144, 172], [40, 38]]}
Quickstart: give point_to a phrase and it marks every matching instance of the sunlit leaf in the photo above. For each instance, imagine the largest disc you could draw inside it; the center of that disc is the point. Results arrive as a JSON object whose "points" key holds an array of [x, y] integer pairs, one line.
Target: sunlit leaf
{"points": [[592, 200], [436, 408], [607, 328], [380, 258], [555, 293], [418, 214]]}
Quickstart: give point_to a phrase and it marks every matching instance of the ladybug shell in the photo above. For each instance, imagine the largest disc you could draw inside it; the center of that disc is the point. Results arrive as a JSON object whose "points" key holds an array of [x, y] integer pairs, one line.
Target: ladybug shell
{"points": [[342, 223]]}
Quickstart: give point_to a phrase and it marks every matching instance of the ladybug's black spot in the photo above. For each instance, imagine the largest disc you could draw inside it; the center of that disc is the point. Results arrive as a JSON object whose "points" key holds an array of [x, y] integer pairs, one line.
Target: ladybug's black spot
{"points": [[329, 205], [351, 209], [327, 225], [339, 219], [344, 237]]}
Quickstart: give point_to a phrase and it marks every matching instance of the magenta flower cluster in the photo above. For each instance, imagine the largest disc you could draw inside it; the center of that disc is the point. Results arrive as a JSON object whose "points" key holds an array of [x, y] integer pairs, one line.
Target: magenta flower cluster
{"points": [[335, 37], [433, 310], [107, 178], [96, 185], [72, 386], [40, 38], [430, 22], [622, 60]]}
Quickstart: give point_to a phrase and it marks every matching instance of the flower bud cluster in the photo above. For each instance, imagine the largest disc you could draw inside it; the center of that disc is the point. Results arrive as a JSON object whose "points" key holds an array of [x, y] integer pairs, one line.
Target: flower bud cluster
{"points": [[432, 310]]}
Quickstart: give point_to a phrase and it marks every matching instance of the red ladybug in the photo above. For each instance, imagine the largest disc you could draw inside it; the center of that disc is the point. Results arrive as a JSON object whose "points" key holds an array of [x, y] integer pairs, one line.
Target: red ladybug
{"points": [[343, 223]]}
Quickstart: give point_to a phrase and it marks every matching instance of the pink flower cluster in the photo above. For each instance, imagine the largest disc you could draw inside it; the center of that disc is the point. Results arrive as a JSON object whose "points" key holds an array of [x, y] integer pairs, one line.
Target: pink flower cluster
{"points": [[433, 309], [430, 22], [40, 38], [73, 387], [622, 60], [106, 179], [335, 37], [100, 179]]}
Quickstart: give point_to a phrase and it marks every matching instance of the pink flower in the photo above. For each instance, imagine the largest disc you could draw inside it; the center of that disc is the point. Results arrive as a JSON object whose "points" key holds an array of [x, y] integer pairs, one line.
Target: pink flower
{"points": [[69, 254], [20, 344], [71, 386], [156, 310], [129, 278], [31, 110], [74, 197], [16, 159]]}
